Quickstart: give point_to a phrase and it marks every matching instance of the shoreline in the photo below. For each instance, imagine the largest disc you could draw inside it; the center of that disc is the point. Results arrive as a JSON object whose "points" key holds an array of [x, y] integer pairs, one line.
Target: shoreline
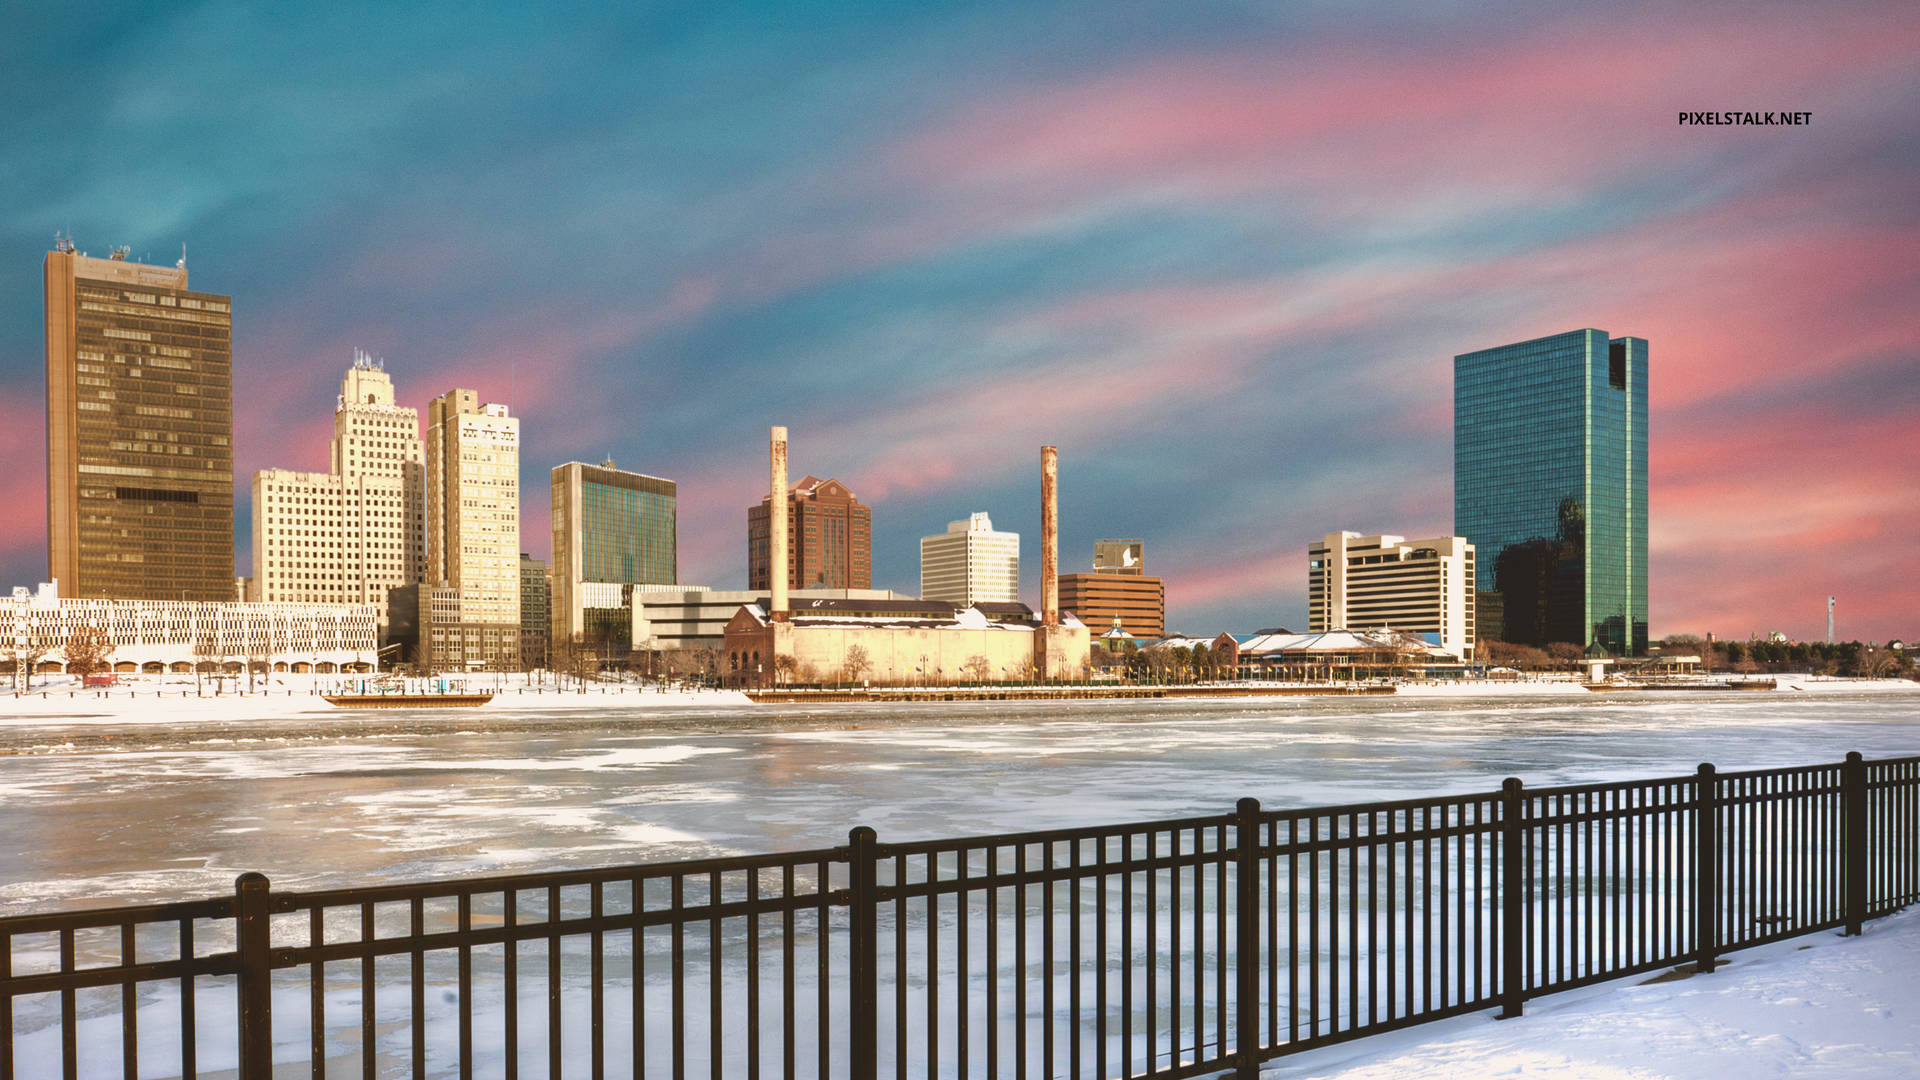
{"points": [[172, 702]]}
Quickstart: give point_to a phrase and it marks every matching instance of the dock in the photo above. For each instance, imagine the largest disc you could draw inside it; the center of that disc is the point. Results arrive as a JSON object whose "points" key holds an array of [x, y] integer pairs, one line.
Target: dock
{"points": [[1050, 693]]}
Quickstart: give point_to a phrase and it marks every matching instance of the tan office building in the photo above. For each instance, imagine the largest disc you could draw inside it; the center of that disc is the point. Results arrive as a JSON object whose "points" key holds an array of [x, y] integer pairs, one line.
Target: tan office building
{"points": [[1365, 583], [473, 535], [139, 431], [356, 531]]}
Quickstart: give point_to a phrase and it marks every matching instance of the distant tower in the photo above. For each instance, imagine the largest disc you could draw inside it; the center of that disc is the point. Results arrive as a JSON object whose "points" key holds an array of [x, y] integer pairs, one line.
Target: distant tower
{"points": [[1829, 620]]}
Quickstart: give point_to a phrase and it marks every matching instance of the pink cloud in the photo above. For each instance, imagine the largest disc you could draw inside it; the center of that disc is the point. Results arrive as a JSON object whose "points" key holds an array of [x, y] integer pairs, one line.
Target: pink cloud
{"points": [[1543, 108], [23, 486]]}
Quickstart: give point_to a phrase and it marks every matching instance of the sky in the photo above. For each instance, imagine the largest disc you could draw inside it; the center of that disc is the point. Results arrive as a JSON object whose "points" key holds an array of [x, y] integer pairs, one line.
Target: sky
{"points": [[1220, 254]]}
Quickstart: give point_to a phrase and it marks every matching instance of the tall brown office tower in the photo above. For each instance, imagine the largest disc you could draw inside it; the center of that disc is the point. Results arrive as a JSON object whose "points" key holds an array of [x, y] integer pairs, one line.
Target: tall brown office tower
{"points": [[139, 431], [829, 538]]}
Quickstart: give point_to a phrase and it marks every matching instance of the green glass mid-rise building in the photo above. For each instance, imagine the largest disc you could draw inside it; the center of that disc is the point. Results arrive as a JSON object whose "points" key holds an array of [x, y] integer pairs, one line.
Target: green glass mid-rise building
{"points": [[1550, 485], [610, 529]]}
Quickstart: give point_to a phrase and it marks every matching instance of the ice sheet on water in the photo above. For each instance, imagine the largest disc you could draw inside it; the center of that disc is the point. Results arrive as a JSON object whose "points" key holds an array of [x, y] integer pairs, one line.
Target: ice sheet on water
{"points": [[107, 818]]}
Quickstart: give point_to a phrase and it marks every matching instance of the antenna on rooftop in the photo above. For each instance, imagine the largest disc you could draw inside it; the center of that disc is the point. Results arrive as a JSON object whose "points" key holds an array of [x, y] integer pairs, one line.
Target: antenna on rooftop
{"points": [[63, 242], [182, 264]]}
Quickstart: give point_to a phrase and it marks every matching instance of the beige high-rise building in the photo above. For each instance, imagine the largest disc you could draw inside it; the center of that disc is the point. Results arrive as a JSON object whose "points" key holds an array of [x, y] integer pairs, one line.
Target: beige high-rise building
{"points": [[971, 563], [352, 533], [473, 535], [139, 431], [1364, 583]]}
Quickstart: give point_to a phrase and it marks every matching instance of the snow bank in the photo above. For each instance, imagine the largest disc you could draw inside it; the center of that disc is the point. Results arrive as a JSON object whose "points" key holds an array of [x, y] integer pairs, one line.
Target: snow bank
{"points": [[173, 699], [1819, 1006]]}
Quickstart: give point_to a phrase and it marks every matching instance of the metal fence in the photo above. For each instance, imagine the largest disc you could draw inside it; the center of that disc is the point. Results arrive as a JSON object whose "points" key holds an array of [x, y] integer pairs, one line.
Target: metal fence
{"points": [[1163, 949]]}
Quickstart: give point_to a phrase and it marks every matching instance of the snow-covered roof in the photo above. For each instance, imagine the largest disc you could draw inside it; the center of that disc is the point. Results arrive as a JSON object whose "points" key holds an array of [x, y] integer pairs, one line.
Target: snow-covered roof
{"points": [[906, 615], [1332, 641], [1178, 642]]}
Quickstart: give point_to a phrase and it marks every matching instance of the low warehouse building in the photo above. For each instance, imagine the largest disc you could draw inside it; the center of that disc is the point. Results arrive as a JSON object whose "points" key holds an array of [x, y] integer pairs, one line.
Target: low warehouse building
{"points": [[898, 641]]}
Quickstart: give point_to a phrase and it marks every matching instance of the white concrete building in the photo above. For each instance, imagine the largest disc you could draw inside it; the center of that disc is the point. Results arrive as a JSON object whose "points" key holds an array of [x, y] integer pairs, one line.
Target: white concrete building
{"points": [[158, 636], [971, 563], [347, 535], [1361, 583], [473, 532]]}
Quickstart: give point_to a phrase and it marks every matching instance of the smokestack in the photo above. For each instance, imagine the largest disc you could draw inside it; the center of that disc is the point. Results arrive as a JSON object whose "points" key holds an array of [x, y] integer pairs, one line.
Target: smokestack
{"points": [[1049, 536], [777, 518]]}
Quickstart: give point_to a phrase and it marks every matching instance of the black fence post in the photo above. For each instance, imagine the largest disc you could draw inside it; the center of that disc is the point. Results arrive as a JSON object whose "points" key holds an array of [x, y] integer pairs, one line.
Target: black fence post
{"points": [[1513, 893], [1706, 868], [863, 993], [1853, 841], [1247, 953], [253, 940]]}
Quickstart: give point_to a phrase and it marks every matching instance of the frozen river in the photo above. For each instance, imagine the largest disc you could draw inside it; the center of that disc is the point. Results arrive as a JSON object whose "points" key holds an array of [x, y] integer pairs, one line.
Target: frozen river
{"points": [[99, 815]]}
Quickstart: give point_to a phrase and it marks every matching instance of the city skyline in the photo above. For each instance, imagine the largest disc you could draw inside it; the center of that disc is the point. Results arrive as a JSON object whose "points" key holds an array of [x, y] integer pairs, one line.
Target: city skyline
{"points": [[1223, 260]]}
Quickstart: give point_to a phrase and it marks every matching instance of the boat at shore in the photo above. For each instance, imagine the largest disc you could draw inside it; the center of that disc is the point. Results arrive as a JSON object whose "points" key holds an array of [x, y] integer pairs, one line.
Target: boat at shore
{"points": [[1714, 685], [407, 701]]}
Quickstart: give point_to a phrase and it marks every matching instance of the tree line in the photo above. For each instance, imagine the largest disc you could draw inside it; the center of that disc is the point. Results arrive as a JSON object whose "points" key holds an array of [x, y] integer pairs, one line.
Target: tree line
{"points": [[1856, 659]]}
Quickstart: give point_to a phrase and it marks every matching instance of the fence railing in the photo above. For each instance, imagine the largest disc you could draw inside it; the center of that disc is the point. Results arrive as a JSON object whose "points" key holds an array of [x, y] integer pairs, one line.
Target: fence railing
{"points": [[1160, 949]]}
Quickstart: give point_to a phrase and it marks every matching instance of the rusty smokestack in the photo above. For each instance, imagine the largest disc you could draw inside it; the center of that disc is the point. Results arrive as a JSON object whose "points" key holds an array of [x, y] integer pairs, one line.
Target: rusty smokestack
{"points": [[1049, 536], [777, 526]]}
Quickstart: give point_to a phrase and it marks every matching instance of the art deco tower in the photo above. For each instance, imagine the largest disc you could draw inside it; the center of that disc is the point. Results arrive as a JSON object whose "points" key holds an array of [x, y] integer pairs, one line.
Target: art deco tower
{"points": [[139, 431], [356, 531]]}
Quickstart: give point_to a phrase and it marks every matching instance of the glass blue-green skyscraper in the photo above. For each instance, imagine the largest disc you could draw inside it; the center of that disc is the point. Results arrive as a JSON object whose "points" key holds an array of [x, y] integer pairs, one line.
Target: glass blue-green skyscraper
{"points": [[612, 530], [1550, 485]]}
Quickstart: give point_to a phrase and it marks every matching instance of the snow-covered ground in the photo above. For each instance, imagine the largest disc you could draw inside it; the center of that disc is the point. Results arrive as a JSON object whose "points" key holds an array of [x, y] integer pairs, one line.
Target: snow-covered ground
{"points": [[176, 698], [1821, 1006], [1535, 688]]}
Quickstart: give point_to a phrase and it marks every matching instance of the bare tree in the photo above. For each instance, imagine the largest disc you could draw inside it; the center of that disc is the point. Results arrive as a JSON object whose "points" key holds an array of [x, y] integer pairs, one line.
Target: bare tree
{"points": [[24, 660], [570, 656], [1565, 653], [857, 663], [784, 667], [87, 650], [977, 668], [204, 647]]}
